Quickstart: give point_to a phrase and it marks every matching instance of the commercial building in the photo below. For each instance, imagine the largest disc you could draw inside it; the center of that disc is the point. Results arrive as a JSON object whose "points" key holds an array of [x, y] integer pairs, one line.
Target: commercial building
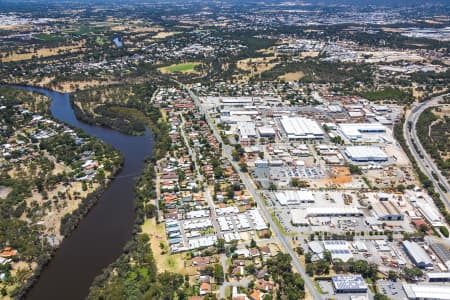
{"points": [[261, 163], [344, 284], [442, 252], [438, 276], [426, 291], [298, 128], [339, 250], [301, 215], [246, 130], [365, 154], [235, 101], [294, 197], [430, 213], [356, 131], [266, 131], [418, 255], [386, 211]]}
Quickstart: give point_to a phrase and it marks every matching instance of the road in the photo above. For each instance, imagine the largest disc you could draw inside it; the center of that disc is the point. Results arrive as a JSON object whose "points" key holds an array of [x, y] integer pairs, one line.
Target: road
{"points": [[284, 242], [426, 163], [207, 194]]}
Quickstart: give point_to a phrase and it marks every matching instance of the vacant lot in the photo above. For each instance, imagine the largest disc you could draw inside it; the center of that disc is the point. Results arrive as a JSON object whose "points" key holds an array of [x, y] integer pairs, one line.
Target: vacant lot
{"points": [[180, 68], [292, 76], [257, 65], [43, 52], [158, 242], [164, 34]]}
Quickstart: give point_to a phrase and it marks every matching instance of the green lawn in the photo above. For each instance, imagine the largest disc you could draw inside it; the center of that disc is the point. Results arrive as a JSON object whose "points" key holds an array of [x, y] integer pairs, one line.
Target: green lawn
{"points": [[101, 40], [180, 68], [48, 37], [82, 30]]}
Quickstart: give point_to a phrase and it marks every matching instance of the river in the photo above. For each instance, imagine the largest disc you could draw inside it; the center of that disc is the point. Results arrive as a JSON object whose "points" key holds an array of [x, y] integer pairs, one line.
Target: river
{"points": [[103, 232]]}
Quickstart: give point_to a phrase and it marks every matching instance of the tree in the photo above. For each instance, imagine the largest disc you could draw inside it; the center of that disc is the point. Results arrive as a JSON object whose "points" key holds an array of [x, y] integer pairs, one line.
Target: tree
{"points": [[423, 228], [220, 244], [444, 231], [296, 182], [218, 273], [272, 187], [392, 275], [354, 169], [412, 273], [243, 166], [379, 296], [401, 188]]}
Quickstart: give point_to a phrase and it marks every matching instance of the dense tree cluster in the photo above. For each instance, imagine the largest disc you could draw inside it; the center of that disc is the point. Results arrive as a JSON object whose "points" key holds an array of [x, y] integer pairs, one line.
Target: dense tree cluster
{"points": [[291, 285]]}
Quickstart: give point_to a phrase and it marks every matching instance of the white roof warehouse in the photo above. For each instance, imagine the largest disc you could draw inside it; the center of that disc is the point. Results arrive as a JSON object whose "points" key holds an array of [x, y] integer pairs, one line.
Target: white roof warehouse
{"points": [[301, 128], [365, 154]]}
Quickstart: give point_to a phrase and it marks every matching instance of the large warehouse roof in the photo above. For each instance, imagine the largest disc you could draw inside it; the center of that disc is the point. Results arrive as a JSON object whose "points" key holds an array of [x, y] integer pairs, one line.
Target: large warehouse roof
{"points": [[299, 216], [356, 130], [301, 128], [365, 153], [338, 249], [246, 129], [426, 291], [294, 197], [417, 254]]}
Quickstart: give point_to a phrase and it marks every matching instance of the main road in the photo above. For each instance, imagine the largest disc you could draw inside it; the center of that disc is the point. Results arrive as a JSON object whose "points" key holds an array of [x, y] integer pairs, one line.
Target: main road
{"points": [[282, 239], [426, 163]]}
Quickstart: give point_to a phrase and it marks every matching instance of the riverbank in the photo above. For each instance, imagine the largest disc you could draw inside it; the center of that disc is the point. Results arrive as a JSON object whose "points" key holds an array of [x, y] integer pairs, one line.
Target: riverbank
{"points": [[41, 173], [137, 256], [100, 236]]}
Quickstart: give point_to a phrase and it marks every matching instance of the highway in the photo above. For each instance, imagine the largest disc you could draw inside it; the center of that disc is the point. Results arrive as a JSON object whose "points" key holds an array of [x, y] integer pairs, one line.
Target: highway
{"points": [[283, 240], [426, 163]]}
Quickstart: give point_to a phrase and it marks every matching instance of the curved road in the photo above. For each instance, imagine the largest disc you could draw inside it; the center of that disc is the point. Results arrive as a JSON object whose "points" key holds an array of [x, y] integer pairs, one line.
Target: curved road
{"points": [[426, 163]]}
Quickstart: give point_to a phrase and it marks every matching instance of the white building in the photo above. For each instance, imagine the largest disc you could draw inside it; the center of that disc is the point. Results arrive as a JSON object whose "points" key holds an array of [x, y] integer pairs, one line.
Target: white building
{"points": [[301, 215], [365, 154], [266, 131], [418, 255], [246, 130], [339, 250], [426, 291], [356, 131], [294, 197], [297, 128]]}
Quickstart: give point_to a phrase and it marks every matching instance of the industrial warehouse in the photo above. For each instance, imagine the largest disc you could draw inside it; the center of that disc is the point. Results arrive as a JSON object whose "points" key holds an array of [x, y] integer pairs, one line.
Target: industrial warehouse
{"points": [[365, 154], [301, 128], [317, 174]]}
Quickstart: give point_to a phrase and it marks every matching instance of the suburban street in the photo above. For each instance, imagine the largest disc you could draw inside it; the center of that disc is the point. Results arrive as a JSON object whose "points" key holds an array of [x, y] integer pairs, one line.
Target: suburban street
{"points": [[209, 198], [284, 242], [426, 164]]}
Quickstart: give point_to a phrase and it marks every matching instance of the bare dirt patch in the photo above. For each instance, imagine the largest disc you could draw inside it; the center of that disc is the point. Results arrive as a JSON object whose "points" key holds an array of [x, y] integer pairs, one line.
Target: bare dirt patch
{"points": [[257, 65], [43, 52], [292, 76], [164, 34], [158, 243], [341, 175]]}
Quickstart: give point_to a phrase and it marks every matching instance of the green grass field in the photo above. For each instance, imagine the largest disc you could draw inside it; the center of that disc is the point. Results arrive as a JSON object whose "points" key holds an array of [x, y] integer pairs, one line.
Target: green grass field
{"points": [[180, 68], [48, 37], [101, 40], [82, 30]]}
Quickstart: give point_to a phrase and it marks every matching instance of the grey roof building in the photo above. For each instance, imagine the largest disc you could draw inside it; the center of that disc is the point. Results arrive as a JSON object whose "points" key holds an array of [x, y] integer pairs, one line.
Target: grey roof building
{"points": [[343, 284], [418, 255]]}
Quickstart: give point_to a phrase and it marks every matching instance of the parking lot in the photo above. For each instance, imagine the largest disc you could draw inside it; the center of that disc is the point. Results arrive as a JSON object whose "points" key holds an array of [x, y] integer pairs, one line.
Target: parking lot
{"points": [[298, 172], [393, 290]]}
